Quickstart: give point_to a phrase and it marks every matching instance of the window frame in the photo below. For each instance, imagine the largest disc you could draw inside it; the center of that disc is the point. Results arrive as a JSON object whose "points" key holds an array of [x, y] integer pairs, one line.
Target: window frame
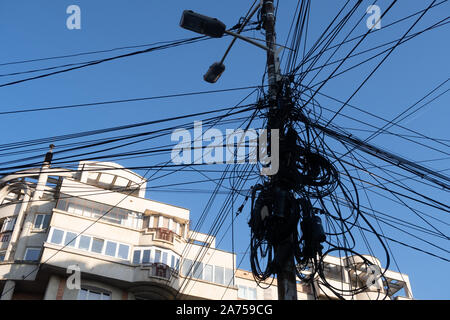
{"points": [[89, 290], [39, 249], [53, 232], [41, 226]]}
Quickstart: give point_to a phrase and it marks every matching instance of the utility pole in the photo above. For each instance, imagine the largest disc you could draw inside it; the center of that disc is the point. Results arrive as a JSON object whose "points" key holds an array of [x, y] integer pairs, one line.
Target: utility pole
{"points": [[284, 253], [279, 186]]}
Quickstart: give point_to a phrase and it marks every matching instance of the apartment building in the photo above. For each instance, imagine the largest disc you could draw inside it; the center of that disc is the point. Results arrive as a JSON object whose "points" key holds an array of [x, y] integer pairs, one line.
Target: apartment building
{"points": [[94, 224]]}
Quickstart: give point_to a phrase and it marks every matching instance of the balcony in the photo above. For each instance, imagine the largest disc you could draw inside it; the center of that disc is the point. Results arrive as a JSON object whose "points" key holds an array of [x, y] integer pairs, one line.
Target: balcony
{"points": [[160, 271], [163, 234]]}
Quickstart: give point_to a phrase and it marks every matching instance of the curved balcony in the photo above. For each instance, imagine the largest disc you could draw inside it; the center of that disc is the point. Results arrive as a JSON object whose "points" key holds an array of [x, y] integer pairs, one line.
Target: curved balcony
{"points": [[160, 271], [164, 234]]}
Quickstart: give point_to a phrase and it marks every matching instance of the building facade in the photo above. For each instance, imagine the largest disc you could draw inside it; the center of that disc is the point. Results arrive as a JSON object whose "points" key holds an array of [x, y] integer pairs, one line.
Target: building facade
{"points": [[90, 233]]}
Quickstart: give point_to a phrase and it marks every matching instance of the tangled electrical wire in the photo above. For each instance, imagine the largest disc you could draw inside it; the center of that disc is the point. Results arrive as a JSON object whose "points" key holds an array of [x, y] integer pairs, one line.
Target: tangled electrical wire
{"points": [[292, 206]]}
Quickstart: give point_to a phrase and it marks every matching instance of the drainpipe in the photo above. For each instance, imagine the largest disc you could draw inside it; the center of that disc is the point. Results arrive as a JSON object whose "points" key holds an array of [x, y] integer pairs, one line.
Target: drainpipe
{"points": [[38, 193], [17, 227]]}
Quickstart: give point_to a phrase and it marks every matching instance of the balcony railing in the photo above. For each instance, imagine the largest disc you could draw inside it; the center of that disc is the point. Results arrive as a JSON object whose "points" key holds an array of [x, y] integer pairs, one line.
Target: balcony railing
{"points": [[161, 270], [164, 235], [5, 237]]}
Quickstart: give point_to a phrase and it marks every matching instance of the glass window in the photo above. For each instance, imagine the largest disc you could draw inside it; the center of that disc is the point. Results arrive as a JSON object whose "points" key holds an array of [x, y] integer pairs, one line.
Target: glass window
{"points": [[46, 221], [38, 221], [106, 296], [96, 212], [229, 277], [157, 255], [146, 256], [137, 256], [208, 273], [32, 254], [97, 245], [42, 221], [186, 267], [86, 294], [172, 261], [164, 258], [111, 249], [77, 209], [198, 270], [2, 256], [252, 293], [62, 205], [92, 295], [242, 292], [218, 274], [71, 208], [84, 243], [57, 236], [123, 251], [87, 211], [70, 239], [82, 294]]}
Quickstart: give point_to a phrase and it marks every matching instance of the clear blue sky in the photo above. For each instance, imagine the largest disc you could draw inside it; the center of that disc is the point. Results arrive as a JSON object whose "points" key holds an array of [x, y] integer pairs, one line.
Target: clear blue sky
{"points": [[35, 29]]}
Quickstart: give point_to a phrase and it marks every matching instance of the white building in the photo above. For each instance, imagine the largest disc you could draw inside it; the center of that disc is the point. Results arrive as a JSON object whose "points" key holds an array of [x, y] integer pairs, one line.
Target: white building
{"points": [[97, 220]]}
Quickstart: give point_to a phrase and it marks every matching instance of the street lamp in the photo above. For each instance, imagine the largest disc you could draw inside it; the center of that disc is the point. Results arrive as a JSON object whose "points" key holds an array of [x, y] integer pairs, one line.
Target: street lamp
{"points": [[215, 28], [199, 23], [214, 72]]}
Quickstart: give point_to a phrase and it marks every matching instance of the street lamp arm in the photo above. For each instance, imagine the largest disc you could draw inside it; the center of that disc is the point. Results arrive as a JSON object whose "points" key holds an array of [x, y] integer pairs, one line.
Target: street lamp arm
{"points": [[237, 35]]}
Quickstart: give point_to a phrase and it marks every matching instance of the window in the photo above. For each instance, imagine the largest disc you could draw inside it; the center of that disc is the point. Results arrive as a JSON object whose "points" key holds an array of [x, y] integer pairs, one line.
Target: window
{"points": [[242, 292], [85, 242], [137, 256], [62, 205], [246, 293], [251, 293], [41, 221], [218, 275], [198, 270], [104, 212], [8, 224], [97, 245], [70, 239], [123, 251], [32, 254], [208, 273], [164, 258], [229, 277], [111, 248], [88, 294], [186, 267], [5, 237], [2, 256], [57, 236], [146, 256], [157, 255]]}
